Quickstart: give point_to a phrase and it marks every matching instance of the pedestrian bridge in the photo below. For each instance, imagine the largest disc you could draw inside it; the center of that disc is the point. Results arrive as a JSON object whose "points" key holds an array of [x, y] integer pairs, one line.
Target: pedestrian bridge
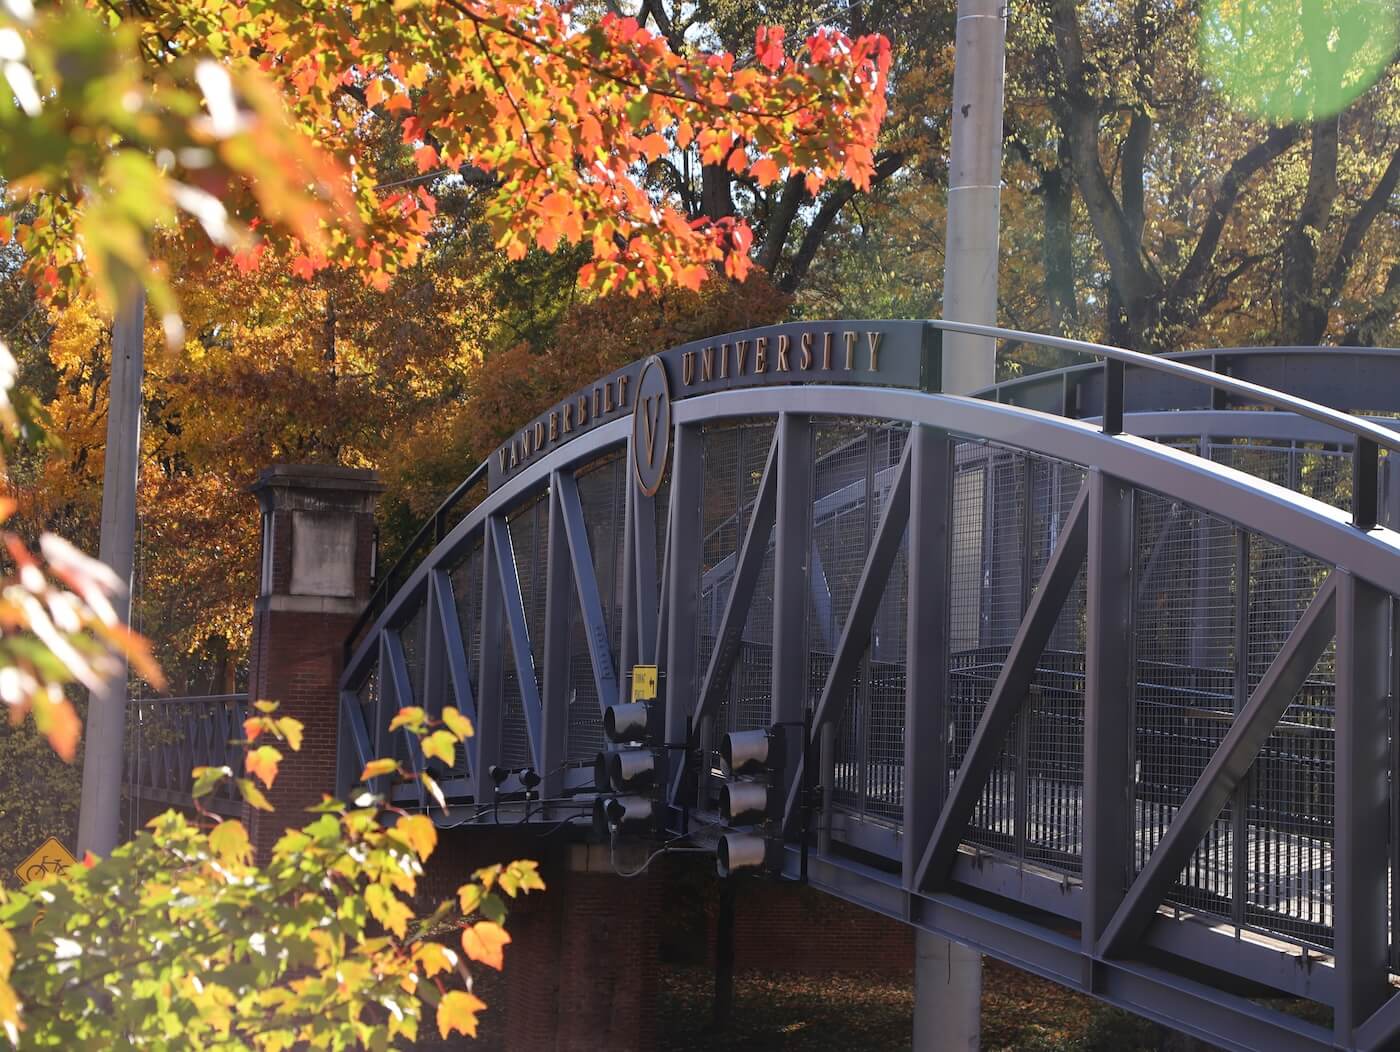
{"points": [[1092, 671]]}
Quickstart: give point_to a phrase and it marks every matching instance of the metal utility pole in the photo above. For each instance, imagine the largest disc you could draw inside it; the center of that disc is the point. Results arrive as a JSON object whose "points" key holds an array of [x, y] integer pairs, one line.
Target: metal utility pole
{"points": [[104, 735], [948, 976], [974, 193]]}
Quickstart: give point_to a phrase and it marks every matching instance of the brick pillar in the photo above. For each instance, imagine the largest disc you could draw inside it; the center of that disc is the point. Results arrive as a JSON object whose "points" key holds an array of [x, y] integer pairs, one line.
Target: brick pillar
{"points": [[317, 543]]}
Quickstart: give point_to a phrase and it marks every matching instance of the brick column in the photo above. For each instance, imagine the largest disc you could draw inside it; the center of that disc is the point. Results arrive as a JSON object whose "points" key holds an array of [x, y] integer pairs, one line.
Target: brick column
{"points": [[317, 543]]}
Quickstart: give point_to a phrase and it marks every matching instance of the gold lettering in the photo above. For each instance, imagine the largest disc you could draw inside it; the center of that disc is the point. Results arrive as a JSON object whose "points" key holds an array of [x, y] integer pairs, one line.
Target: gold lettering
{"points": [[504, 454], [707, 364], [784, 343], [539, 436], [514, 454], [608, 405], [873, 339], [568, 417], [651, 417], [741, 353], [688, 368], [826, 350], [850, 338], [554, 426], [597, 402], [524, 440], [760, 354], [724, 362], [582, 410], [805, 361]]}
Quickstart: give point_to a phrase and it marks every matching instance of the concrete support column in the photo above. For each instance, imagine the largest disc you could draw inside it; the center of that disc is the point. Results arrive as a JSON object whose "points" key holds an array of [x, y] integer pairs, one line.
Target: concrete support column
{"points": [[317, 542], [947, 995], [947, 977]]}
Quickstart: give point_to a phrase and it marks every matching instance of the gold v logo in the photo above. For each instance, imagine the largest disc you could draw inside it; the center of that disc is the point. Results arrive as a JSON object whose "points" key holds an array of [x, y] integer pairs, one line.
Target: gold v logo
{"points": [[651, 416]]}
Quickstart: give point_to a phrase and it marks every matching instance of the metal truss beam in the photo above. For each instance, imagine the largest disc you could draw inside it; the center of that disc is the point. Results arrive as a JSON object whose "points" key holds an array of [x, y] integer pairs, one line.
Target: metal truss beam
{"points": [[792, 549], [1008, 694], [570, 509], [1362, 824], [930, 531], [682, 586], [518, 629], [554, 695], [398, 682], [1230, 762], [454, 658], [491, 663], [1108, 697]]}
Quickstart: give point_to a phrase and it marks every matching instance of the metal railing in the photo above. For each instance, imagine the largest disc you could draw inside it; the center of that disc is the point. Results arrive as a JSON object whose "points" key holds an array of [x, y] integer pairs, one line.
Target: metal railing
{"points": [[1369, 438], [169, 737]]}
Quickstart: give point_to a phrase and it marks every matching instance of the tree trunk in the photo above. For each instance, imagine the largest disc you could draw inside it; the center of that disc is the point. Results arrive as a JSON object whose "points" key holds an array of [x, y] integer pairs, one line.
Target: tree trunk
{"points": [[1057, 250], [1305, 306]]}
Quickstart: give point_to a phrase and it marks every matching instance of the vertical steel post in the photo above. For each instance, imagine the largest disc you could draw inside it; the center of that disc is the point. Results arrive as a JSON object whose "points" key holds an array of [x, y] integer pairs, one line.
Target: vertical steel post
{"points": [[99, 813], [683, 585], [1108, 696], [554, 699], [491, 663], [627, 634], [1239, 799], [792, 547], [1362, 819], [926, 660]]}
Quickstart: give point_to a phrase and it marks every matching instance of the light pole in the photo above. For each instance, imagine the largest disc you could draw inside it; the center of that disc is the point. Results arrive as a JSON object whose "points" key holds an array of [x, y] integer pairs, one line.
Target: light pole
{"points": [[104, 735]]}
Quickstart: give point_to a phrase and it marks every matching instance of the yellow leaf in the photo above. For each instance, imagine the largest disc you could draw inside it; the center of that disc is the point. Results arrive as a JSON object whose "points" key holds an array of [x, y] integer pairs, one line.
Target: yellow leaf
{"points": [[291, 730], [442, 745], [485, 941], [469, 897], [458, 1011], [420, 834], [433, 957], [457, 723], [263, 762], [430, 784], [388, 909], [404, 717], [375, 768], [229, 840], [253, 795]]}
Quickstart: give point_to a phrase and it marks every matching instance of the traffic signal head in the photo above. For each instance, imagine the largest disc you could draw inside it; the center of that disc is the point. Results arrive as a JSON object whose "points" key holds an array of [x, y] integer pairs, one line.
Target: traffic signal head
{"points": [[623, 814], [631, 770], [627, 723], [744, 803], [738, 851], [750, 752]]}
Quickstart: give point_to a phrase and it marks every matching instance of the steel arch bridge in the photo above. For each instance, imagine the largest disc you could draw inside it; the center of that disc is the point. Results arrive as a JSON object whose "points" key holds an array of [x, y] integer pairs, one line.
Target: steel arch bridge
{"points": [[1094, 670]]}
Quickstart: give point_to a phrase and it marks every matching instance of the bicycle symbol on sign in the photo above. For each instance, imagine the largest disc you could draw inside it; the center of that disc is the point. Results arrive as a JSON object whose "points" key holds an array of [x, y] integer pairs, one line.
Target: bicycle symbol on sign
{"points": [[52, 859]]}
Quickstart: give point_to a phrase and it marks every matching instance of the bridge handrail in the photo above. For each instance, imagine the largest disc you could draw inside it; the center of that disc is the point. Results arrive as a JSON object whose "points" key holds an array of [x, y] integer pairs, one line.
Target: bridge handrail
{"points": [[1369, 437], [435, 525]]}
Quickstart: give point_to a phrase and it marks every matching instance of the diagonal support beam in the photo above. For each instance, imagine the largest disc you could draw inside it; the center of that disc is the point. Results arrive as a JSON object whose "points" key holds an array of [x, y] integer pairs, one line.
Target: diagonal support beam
{"points": [[586, 584], [455, 659], [402, 687], [518, 629], [353, 718], [1231, 762], [865, 604], [1008, 694], [741, 588]]}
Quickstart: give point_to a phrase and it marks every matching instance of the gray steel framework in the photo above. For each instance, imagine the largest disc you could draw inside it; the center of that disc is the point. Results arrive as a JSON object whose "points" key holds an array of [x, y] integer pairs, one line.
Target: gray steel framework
{"points": [[1114, 711]]}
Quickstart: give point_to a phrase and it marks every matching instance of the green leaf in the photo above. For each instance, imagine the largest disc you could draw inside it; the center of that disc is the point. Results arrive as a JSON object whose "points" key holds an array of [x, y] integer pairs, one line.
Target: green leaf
{"points": [[206, 779], [252, 795]]}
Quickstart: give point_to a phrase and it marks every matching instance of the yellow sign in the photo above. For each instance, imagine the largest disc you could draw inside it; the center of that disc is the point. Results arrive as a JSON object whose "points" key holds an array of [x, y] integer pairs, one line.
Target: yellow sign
{"points": [[51, 859], [643, 682]]}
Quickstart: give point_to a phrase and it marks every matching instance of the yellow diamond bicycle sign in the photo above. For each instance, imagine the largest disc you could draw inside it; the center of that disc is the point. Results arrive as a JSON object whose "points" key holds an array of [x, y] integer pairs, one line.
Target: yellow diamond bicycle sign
{"points": [[51, 859]]}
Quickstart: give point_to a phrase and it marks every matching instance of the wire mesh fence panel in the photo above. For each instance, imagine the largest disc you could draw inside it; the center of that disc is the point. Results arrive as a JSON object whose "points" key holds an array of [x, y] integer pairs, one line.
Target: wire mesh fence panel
{"points": [[1290, 808], [752, 690], [415, 649], [853, 474], [529, 539], [1184, 640], [466, 596], [602, 494], [466, 580]]}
